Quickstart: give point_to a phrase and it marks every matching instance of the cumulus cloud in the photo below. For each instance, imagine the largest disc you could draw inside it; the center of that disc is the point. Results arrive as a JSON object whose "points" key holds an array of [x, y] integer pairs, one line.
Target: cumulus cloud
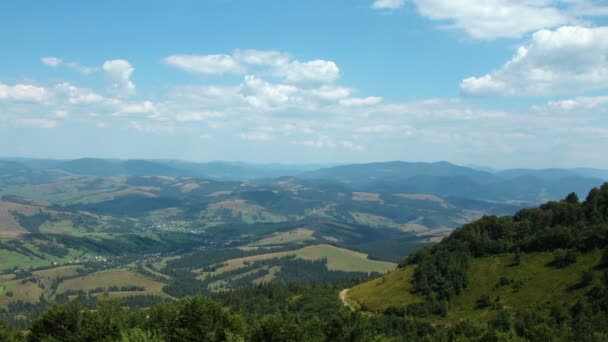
{"points": [[276, 63], [490, 19], [77, 95], [568, 59], [387, 4], [119, 72], [317, 71], [22, 93], [262, 94], [205, 64]]}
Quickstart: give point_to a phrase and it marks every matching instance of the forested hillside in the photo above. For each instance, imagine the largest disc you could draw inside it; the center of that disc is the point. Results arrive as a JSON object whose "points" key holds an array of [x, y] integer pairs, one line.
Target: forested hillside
{"points": [[541, 274]]}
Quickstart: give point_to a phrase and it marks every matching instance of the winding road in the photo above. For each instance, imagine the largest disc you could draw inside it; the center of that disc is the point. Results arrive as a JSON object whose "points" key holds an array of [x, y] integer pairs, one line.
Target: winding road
{"points": [[343, 295]]}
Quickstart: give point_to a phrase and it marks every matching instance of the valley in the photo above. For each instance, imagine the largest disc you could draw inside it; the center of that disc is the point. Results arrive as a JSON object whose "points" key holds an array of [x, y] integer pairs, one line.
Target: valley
{"points": [[96, 229]]}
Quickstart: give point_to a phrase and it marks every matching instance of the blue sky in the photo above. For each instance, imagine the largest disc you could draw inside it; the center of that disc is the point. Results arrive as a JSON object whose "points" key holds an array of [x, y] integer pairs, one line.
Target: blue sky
{"points": [[504, 83]]}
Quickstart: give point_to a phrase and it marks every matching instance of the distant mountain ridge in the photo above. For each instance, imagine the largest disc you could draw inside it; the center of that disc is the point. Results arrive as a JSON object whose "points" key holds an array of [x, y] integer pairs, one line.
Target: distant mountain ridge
{"points": [[521, 186], [446, 179]]}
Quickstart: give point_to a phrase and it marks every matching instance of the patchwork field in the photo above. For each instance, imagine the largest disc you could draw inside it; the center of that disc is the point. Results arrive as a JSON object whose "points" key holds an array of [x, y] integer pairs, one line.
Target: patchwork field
{"points": [[366, 196], [243, 210], [295, 236], [105, 279], [338, 259], [424, 197]]}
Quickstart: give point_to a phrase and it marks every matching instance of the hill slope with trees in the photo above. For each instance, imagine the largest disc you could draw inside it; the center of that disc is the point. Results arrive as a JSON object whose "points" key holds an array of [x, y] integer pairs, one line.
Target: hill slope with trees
{"points": [[541, 273]]}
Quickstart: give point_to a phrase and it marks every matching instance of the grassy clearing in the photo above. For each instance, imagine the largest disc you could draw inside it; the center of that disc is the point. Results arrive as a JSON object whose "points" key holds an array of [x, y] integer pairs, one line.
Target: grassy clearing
{"points": [[338, 259], [372, 220], [60, 227], [10, 259], [116, 277], [377, 295], [294, 236], [540, 282], [268, 277], [367, 197], [27, 292], [537, 283], [47, 276], [9, 227], [424, 197], [247, 212]]}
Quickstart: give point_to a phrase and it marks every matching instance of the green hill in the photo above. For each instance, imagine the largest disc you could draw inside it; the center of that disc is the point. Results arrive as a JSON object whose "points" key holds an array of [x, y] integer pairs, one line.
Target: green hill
{"points": [[545, 267]]}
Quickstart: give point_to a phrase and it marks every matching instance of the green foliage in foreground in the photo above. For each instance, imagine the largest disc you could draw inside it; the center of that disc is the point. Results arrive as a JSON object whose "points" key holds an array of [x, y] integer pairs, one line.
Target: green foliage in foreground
{"points": [[280, 312]]}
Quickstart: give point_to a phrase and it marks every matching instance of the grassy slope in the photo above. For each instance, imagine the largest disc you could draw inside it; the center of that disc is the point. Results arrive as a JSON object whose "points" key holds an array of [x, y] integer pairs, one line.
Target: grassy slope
{"points": [[338, 259], [31, 292], [114, 277], [540, 284]]}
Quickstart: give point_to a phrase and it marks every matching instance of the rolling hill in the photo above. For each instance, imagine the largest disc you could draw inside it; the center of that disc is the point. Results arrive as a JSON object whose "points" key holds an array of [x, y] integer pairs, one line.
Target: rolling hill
{"points": [[544, 267]]}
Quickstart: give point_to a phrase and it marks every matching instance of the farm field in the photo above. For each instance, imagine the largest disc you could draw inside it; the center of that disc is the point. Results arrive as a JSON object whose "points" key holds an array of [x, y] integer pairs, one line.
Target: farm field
{"points": [[338, 259], [105, 279]]}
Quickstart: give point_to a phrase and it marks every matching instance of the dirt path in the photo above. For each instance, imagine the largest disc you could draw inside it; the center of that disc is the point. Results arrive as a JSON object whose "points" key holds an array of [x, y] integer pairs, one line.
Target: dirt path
{"points": [[343, 295]]}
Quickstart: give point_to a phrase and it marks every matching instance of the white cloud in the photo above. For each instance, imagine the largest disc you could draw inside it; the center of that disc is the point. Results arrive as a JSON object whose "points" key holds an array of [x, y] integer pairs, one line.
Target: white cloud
{"points": [[77, 95], [36, 122], [198, 116], [51, 61], [270, 62], [119, 72], [261, 94], [83, 69], [23, 93], [103, 124], [565, 60], [490, 19], [579, 103], [62, 114], [256, 136], [261, 57], [55, 62], [330, 92], [317, 71], [205, 64], [387, 4], [484, 85], [366, 101], [145, 107]]}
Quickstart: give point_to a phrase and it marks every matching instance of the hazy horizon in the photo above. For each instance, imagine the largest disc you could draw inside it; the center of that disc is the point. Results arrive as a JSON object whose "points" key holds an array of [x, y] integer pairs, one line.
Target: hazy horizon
{"points": [[310, 165]]}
